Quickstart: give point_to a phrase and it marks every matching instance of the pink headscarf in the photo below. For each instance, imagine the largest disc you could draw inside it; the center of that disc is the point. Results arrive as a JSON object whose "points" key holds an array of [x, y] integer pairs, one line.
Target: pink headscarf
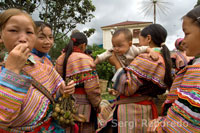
{"points": [[178, 42]]}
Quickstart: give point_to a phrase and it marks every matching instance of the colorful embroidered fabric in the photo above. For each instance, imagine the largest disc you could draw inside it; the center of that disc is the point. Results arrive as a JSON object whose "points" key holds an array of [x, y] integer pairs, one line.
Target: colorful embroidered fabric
{"points": [[24, 111], [43, 57], [79, 69], [141, 71], [183, 115]]}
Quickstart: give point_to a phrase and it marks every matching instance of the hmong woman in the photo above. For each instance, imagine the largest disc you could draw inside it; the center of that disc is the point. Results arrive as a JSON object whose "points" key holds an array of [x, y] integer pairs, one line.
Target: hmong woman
{"points": [[138, 83], [77, 65], [44, 42], [179, 58], [183, 102], [23, 106]]}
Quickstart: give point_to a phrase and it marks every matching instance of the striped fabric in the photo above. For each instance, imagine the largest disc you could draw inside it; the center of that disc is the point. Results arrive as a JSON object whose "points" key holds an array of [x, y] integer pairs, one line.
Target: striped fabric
{"points": [[184, 114], [144, 67], [28, 110], [79, 69], [44, 60], [133, 118]]}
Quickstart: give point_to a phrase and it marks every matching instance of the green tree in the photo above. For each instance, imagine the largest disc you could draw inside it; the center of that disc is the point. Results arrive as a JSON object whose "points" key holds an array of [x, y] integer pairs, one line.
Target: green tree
{"points": [[64, 15], [27, 5], [104, 69], [198, 3], [59, 45]]}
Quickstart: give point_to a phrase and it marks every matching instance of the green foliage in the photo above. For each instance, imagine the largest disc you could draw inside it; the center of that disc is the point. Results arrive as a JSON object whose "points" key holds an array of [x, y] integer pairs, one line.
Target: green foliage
{"points": [[2, 52], [64, 15], [59, 45], [105, 69], [27, 5], [198, 3], [107, 96], [89, 32]]}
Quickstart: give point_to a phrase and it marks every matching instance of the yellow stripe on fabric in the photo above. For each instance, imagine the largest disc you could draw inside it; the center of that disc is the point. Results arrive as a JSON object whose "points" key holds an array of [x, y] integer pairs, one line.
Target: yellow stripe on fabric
{"points": [[12, 93]]}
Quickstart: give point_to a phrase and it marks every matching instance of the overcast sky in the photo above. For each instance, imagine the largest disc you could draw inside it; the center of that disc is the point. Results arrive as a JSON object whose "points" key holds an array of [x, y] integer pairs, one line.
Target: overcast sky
{"points": [[115, 11]]}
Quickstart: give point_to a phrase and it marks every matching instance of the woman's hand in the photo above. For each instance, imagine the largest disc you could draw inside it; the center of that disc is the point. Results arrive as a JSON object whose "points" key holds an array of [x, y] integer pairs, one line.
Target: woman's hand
{"points": [[17, 58], [67, 89], [152, 54], [114, 61]]}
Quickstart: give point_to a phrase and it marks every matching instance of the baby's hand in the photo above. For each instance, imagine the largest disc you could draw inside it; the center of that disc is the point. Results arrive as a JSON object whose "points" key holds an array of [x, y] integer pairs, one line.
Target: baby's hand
{"points": [[93, 66], [113, 92]]}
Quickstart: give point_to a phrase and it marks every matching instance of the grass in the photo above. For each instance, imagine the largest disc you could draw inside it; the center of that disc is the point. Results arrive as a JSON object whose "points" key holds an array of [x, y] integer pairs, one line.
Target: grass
{"points": [[107, 96]]}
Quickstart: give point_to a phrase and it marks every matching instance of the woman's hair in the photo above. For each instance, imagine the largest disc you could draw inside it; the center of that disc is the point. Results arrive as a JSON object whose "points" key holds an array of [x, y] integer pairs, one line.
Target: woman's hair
{"points": [[7, 14], [75, 40], [194, 14], [127, 33], [158, 35], [40, 25]]}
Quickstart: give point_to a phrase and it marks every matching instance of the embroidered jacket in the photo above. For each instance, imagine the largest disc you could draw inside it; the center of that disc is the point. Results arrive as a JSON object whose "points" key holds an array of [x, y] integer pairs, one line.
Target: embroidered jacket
{"points": [[23, 107], [79, 69]]}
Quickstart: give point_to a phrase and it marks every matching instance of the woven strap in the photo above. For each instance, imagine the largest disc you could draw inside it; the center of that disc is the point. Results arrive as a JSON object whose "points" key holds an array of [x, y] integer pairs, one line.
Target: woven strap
{"points": [[132, 100], [37, 85], [40, 87]]}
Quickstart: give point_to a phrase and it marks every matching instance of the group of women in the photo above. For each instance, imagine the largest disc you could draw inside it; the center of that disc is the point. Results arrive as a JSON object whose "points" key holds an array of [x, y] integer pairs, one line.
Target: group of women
{"points": [[29, 81]]}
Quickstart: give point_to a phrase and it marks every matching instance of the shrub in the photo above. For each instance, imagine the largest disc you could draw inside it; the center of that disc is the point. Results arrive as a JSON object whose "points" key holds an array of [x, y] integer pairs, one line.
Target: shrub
{"points": [[105, 69]]}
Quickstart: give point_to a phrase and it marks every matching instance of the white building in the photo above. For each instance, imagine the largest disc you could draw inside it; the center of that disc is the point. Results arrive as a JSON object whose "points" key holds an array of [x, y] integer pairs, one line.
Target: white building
{"points": [[134, 26]]}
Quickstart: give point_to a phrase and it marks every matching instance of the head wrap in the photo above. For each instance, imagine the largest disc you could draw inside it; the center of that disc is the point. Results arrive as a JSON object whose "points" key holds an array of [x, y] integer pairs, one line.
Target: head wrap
{"points": [[178, 42]]}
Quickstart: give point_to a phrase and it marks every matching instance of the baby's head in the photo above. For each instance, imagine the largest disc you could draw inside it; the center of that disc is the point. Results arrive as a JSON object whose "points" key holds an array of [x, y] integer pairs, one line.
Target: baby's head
{"points": [[179, 44], [122, 41]]}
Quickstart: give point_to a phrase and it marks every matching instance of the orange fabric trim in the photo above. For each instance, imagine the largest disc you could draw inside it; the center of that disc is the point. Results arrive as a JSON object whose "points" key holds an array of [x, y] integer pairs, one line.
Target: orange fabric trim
{"points": [[36, 130], [145, 102]]}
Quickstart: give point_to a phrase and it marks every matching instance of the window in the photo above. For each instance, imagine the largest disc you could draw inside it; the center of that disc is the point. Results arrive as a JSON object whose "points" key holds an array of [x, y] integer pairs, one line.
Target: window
{"points": [[136, 33]]}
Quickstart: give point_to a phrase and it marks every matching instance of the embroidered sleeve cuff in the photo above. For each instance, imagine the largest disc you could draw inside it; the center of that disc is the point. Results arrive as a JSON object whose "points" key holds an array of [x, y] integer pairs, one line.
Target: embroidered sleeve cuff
{"points": [[20, 83]]}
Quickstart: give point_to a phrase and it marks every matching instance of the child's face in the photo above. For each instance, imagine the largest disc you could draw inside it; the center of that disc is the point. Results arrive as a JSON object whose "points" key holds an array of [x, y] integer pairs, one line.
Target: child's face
{"points": [[44, 40], [17, 30], [192, 37], [143, 41], [120, 44], [182, 46]]}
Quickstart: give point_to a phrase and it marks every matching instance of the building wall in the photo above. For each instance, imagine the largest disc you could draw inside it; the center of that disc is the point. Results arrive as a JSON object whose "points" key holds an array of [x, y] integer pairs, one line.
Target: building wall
{"points": [[107, 36]]}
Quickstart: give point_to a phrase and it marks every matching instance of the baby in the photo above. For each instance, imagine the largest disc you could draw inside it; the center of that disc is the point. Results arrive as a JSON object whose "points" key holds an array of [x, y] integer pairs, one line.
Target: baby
{"points": [[123, 48]]}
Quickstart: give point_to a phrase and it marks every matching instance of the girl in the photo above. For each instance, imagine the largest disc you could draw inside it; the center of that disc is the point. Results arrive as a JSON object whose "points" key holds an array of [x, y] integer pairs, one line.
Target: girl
{"points": [[44, 42], [183, 114], [75, 64], [27, 86]]}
